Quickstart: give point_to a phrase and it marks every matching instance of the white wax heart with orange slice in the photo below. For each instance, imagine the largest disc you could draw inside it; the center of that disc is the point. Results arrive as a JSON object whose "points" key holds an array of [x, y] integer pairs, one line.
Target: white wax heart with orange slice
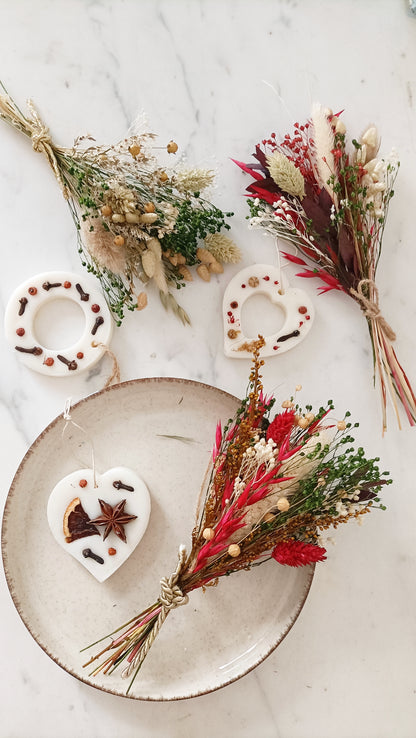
{"points": [[99, 524]]}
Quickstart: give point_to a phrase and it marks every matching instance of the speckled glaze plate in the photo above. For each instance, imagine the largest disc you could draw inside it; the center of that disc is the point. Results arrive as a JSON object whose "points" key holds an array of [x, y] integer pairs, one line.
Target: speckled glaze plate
{"points": [[220, 635]]}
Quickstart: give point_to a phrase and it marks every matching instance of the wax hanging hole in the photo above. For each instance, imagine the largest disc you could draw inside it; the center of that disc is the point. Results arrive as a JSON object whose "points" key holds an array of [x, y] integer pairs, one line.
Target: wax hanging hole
{"points": [[259, 315], [59, 324]]}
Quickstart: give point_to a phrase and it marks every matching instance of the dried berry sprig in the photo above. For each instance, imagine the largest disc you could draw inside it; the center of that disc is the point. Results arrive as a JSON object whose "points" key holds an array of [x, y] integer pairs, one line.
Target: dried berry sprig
{"points": [[136, 222], [276, 483], [330, 200]]}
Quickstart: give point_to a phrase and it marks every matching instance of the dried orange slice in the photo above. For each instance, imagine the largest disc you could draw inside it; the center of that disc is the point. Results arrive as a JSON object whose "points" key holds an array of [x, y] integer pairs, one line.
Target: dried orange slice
{"points": [[76, 523]]}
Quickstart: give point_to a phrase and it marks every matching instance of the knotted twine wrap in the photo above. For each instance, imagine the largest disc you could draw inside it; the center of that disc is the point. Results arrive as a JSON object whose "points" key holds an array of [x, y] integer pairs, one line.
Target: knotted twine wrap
{"points": [[370, 307], [115, 372], [33, 127], [171, 596]]}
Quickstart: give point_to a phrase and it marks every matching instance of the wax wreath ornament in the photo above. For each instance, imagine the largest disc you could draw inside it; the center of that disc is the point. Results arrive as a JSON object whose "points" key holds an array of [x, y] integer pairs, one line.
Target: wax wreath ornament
{"points": [[277, 481], [330, 200], [134, 220]]}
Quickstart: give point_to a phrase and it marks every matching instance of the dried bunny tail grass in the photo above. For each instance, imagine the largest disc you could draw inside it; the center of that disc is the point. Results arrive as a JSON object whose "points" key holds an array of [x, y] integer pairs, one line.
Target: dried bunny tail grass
{"points": [[194, 180], [153, 264], [288, 177], [222, 248], [324, 143], [169, 303], [99, 243]]}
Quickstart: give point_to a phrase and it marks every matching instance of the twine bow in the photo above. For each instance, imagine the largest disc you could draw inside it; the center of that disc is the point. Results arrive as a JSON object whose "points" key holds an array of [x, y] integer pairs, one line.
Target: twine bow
{"points": [[33, 127], [171, 596], [370, 307], [42, 142]]}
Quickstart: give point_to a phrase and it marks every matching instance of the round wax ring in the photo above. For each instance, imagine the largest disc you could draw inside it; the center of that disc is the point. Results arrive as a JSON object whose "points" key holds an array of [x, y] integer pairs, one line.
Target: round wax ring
{"points": [[50, 287]]}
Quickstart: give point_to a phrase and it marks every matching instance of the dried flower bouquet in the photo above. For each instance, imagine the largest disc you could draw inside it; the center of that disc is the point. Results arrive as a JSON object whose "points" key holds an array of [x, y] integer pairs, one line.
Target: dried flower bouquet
{"points": [[276, 483], [330, 200], [135, 221]]}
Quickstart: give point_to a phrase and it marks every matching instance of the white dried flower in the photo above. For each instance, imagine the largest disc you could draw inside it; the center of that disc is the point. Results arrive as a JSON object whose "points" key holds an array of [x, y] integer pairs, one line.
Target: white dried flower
{"points": [[119, 197], [288, 177]]}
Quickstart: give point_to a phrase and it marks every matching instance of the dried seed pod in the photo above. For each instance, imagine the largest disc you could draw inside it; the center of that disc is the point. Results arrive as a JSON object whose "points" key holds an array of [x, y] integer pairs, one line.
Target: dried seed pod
{"points": [[149, 207], [135, 150], [185, 273], [133, 217], [181, 259], [106, 211], [202, 271], [148, 218], [173, 259], [119, 241], [215, 267], [149, 263], [141, 301], [118, 218], [205, 256]]}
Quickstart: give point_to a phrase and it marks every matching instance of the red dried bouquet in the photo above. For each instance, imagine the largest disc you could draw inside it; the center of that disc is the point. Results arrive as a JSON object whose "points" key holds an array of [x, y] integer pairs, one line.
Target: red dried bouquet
{"points": [[330, 200], [276, 482]]}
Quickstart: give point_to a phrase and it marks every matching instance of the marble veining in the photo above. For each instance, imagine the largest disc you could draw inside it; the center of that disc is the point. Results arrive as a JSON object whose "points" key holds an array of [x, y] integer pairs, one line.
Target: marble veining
{"points": [[217, 76]]}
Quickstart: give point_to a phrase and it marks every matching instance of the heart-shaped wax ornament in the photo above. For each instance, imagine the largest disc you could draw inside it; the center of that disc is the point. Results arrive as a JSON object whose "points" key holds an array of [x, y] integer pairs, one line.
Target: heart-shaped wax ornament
{"points": [[263, 279], [100, 526]]}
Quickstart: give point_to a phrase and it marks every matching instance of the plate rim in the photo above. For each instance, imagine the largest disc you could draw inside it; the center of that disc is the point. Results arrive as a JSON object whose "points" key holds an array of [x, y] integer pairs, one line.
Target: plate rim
{"points": [[20, 609]]}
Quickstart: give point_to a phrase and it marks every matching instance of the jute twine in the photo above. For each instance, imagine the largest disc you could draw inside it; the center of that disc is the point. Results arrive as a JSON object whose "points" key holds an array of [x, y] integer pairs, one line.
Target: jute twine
{"points": [[33, 127], [171, 596], [115, 372], [370, 307]]}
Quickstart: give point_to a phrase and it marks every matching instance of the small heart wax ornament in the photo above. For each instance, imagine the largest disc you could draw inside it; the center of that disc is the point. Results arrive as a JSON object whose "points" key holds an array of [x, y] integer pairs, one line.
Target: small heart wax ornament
{"points": [[99, 525], [263, 279]]}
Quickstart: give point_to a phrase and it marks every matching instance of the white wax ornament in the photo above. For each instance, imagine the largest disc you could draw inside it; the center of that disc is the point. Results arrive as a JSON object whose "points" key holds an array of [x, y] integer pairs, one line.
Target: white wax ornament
{"points": [[49, 287], [137, 503], [263, 279]]}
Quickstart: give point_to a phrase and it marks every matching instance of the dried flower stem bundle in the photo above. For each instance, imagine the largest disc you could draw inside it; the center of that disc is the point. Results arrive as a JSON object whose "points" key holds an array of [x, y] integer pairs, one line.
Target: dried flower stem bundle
{"points": [[275, 484], [134, 220], [331, 201]]}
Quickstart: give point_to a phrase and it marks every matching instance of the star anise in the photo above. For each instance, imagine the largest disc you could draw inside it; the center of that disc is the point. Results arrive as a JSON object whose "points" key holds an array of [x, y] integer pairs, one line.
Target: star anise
{"points": [[114, 518]]}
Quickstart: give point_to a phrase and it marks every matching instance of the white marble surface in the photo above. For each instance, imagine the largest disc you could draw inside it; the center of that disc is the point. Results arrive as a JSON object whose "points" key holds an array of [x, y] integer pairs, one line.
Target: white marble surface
{"points": [[198, 68]]}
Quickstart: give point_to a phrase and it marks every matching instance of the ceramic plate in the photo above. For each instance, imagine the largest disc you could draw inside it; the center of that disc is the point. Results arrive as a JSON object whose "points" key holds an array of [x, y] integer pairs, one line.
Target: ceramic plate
{"points": [[222, 633]]}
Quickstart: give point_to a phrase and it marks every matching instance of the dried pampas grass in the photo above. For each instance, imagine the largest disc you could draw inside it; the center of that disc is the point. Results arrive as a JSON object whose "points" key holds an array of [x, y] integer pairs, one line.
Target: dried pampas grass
{"points": [[100, 244], [324, 144]]}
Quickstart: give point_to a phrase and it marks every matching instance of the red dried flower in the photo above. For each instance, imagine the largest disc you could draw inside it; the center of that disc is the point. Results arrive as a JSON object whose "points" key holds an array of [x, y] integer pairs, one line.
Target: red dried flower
{"points": [[297, 553], [281, 426]]}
